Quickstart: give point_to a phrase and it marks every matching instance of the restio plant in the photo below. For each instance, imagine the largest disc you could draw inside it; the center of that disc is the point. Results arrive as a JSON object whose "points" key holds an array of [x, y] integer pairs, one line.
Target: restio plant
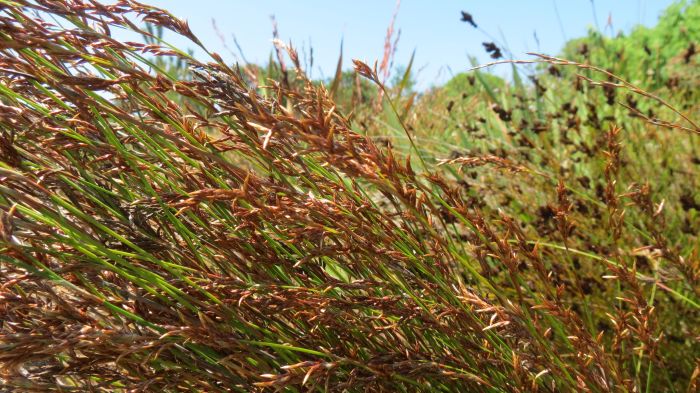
{"points": [[176, 224]]}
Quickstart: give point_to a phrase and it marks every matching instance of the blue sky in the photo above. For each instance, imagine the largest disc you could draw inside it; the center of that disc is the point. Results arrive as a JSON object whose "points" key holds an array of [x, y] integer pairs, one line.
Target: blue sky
{"points": [[432, 28]]}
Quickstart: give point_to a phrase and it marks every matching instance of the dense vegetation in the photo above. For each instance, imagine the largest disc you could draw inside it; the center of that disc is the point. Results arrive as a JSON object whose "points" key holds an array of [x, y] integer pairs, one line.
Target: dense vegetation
{"points": [[171, 224]]}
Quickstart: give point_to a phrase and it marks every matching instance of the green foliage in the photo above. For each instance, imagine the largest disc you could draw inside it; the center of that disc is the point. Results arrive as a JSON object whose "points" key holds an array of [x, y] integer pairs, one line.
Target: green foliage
{"points": [[467, 83], [648, 56]]}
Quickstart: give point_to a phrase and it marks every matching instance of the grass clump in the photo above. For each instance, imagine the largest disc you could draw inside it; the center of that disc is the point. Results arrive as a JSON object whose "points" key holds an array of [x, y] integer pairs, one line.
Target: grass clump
{"points": [[196, 231]]}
